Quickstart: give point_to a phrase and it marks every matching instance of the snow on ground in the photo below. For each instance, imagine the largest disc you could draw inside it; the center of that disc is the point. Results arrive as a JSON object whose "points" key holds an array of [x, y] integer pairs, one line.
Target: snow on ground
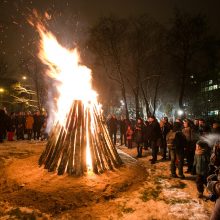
{"points": [[138, 190]]}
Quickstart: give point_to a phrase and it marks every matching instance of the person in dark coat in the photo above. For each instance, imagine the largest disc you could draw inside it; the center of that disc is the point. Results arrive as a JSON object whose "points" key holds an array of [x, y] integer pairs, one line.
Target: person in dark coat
{"points": [[165, 128], [11, 126], [37, 125], [215, 128], [146, 135], [3, 124], [138, 134], [214, 188], [20, 126], [112, 124], [203, 127], [176, 142], [123, 128], [190, 144], [155, 137], [215, 158], [201, 164]]}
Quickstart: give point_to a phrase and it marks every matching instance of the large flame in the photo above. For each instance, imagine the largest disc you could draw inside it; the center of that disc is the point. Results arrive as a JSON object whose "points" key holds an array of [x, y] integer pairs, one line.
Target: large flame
{"points": [[74, 79]]}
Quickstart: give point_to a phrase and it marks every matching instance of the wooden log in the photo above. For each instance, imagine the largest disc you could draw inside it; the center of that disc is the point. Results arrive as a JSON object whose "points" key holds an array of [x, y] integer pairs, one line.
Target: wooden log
{"points": [[107, 147], [83, 141], [66, 145], [77, 151], [93, 156], [70, 169], [49, 146]]}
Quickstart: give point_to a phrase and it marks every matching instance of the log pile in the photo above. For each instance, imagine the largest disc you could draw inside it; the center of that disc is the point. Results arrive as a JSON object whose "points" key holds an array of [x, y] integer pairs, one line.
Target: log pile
{"points": [[81, 145]]}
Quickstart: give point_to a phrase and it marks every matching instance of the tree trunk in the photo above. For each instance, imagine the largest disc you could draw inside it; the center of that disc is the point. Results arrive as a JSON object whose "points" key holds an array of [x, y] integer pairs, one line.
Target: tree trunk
{"points": [[125, 100], [146, 101], [183, 83], [155, 95], [137, 107]]}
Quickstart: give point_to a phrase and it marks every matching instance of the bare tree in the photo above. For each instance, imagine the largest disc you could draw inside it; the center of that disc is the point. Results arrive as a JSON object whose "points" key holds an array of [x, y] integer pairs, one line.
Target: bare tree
{"points": [[107, 41], [144, 44], [35, 73], [185, 38]]}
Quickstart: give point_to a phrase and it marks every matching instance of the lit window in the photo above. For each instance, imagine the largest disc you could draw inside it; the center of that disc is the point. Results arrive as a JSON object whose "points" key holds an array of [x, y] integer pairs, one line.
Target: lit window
{"points": [[210, 82], [215, 87], [210, 88], [215, 112]]}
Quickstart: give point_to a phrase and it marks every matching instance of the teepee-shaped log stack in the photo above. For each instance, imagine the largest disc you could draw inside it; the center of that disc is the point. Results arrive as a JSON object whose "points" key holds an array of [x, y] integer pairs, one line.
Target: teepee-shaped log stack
{"points": [[81, 145]]}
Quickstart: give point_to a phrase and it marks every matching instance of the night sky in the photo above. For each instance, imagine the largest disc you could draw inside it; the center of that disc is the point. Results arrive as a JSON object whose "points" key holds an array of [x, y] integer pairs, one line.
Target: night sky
{"points": [[71, 18]]}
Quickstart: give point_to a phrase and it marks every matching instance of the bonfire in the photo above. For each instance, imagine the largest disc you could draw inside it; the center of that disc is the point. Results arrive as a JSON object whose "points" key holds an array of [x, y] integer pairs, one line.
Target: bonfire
{"points": [[79, 141]]}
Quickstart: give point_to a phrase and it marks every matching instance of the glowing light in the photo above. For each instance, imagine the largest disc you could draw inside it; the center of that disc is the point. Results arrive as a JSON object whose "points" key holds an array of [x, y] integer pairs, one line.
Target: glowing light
{"points": [[24, 77], [180, 112], [2, 90]]}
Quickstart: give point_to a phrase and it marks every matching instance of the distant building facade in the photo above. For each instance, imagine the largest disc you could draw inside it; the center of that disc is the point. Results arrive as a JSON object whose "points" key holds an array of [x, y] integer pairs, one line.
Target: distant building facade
{"points": [[210, 96]]}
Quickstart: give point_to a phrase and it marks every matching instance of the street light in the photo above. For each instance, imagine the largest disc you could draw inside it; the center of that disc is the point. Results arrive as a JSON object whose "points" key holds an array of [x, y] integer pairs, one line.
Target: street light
{"points": [[24, 77], [180, 112], [1, 95]]}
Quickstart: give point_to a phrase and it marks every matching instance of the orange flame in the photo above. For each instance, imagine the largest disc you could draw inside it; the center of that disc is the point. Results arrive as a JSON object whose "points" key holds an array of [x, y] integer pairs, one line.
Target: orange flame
{"points": [[74, 79]]}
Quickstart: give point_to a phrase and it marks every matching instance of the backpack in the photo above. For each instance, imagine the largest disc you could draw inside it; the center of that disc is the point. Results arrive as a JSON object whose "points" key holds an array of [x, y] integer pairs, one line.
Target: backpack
{"points": [[170, 139]]}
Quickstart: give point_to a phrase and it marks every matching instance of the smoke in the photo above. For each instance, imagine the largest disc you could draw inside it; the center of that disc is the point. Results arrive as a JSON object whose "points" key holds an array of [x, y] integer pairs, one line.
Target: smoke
{"points": [[211, 139], [51, 106]]}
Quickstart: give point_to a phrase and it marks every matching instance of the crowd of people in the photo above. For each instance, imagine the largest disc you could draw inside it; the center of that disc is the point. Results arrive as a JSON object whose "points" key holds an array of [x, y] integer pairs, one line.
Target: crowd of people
{"points": [[22, 125], [183, 142]]}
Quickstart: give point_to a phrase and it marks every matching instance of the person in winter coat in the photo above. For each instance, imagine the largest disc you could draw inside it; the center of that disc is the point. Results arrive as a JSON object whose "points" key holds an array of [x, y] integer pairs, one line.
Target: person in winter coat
{"points": [[123, 127], [112, 124], [129, 136], [203, 127], [20, 126], [3, 124], [176, 142], [11, 126], [215, 158], [216, 128], [155, 137], [165, 128], [146, 135], [138, 133], [37, 125], [201, 164], [29, 125], [215, 188], [190, 145]]}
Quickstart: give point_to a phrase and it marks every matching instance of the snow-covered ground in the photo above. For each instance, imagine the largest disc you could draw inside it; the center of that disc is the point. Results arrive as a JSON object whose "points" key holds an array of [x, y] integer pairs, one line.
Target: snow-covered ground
{"points": [[138, 190]]}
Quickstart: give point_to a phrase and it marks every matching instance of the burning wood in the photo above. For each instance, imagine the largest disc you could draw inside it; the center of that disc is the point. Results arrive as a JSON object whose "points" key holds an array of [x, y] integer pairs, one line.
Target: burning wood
{"points": [[79, 141]]}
